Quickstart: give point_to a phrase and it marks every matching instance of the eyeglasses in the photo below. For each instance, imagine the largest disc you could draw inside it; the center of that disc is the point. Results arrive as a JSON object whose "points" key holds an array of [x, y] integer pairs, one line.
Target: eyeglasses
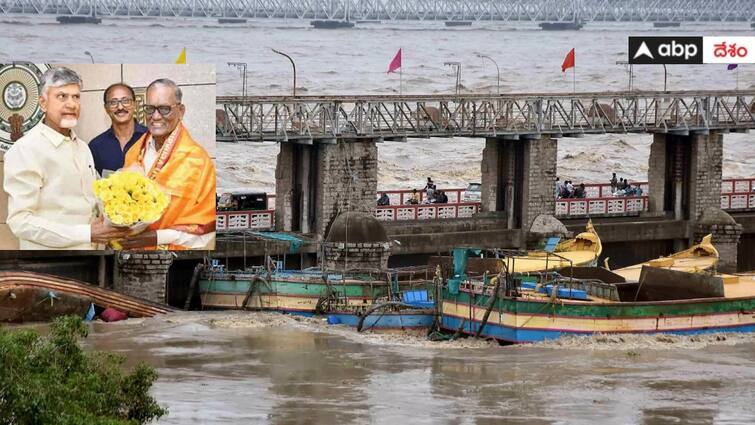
{"points": [[126, 102], [164, 110]]}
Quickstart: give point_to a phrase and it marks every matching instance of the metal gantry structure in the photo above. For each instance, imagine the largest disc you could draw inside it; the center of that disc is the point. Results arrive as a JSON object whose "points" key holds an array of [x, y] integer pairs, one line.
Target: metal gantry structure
{"points": [[403, 10], [312, 119]]}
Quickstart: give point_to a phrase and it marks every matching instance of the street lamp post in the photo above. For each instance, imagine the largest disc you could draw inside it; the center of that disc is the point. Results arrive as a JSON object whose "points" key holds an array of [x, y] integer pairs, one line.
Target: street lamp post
{"points": [[629, 88], [498, 70], [86, 52], [242, 67], [292, 64], [457, 66], [665, 77]]}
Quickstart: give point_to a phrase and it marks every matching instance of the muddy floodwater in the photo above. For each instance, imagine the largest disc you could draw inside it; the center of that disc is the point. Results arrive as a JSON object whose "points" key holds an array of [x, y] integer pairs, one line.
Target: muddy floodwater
{"points": [[239, 368]]}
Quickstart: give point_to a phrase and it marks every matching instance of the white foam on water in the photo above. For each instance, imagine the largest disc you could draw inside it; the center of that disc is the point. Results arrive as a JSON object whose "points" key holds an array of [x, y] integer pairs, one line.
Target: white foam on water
{"points": [[634, 343]]}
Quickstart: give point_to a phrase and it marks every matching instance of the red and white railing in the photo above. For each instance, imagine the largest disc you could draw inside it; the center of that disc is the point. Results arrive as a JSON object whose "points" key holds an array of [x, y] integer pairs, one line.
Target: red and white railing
{"points": [[245, 220], [427, 211], [736, 194], [727, 186], [604, 190], [401, 197], [615, 205]]}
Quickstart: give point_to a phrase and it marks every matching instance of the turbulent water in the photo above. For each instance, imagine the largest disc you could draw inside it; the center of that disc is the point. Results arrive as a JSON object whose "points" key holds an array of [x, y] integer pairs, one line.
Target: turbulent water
{"points": [[234, 368], [237, 369], [354, 61]]}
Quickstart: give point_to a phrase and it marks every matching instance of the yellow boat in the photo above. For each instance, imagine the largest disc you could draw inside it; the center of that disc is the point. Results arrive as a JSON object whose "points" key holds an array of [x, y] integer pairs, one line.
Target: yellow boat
{"points": [[700, 258], [739, 285], [582, 251]]}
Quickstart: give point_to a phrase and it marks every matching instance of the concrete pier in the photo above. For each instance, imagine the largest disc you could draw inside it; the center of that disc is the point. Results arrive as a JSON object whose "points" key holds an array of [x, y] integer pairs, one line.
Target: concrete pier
{"points": [[315, 183], [144, 274], [684, 178], [518, 178]]}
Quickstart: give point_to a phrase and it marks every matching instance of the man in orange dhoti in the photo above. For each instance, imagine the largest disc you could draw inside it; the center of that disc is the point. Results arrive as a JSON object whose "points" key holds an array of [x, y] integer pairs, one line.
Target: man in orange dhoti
{"points": [[170, 157]]}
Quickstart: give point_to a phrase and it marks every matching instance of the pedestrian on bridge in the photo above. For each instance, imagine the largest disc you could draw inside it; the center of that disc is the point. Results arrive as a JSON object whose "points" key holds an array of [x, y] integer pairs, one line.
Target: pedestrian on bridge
{"points": [[384, 200], [415, 197]]}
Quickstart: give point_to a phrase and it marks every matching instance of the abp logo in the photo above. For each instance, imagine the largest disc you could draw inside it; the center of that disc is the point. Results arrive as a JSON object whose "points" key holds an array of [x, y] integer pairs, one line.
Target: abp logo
{"points": [[665, 50]]}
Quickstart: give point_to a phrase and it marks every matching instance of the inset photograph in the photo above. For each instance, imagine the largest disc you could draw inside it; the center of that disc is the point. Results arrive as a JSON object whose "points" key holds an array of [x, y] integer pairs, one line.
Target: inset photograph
{"points": [[107, 156]]}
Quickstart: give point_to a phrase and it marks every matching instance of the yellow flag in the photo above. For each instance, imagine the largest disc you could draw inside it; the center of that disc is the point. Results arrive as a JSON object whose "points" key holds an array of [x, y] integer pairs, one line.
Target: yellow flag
{"points": [[182, 57]]}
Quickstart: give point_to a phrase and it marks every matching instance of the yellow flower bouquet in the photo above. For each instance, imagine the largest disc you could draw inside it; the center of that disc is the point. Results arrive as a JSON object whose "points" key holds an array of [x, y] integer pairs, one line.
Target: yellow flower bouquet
{"points": [[130, 199]]}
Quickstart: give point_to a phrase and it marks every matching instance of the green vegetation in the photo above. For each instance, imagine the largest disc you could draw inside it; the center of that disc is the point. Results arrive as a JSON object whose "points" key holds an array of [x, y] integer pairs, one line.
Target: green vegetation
{"points": [[51, 380]]}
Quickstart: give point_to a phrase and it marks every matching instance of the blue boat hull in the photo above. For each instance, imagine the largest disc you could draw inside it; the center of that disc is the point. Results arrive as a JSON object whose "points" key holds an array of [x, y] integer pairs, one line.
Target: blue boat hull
{"points": [[392, 320], [524, 336]]}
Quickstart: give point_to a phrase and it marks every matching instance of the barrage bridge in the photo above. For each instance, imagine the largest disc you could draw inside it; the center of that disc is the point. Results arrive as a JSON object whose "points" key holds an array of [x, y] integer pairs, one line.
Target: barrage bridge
{"points": [[328, 164], [309, 119], [403, 10]]}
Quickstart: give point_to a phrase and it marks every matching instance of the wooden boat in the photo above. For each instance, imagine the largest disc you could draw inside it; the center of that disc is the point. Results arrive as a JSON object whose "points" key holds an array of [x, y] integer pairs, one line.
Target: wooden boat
{"points": [[700, 258], [524, 311], [343, 297], [583, 250], [27, 296]]}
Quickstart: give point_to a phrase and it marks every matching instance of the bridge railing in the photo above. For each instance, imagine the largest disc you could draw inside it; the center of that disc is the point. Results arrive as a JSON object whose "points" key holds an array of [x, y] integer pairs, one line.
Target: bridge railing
{"points": [[604, 190], [426, 212], [309, 118], [727, 186], [245, 220], [401, 197], [399, 10], [616, 205], [736, 194]]}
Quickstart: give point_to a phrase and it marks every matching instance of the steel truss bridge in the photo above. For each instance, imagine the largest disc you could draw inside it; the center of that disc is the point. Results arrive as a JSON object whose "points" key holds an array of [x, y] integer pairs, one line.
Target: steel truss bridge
{"points": [[398, 10], [311, 119]]}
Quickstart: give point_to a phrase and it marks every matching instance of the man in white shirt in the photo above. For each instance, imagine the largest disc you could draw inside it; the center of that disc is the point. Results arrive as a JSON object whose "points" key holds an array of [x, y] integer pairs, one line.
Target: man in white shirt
{"points": [[49, 174]]}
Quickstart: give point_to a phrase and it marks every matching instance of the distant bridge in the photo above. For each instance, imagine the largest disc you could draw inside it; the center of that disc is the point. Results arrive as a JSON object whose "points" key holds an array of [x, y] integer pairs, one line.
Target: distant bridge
{"points": [[404, 10], [310, 119]]}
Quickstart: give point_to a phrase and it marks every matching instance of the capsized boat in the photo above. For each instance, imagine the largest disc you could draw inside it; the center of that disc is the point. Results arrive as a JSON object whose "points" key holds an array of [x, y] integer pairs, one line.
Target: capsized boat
{"points": [[683, 297], [378, 299]]}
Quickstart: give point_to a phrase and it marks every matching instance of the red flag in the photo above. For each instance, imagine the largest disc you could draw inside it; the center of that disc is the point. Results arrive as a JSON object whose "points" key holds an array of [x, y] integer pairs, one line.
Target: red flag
{"points": [[395, 63], [568, 61]]}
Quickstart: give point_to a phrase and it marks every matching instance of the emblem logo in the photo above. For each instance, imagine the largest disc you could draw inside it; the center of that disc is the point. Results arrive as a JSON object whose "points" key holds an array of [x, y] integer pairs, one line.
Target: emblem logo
{"points": [[19, 95]]}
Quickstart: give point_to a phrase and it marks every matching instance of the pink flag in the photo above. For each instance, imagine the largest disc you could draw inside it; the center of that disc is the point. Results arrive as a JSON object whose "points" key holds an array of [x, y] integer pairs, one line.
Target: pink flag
{"points": [[395, 63]]}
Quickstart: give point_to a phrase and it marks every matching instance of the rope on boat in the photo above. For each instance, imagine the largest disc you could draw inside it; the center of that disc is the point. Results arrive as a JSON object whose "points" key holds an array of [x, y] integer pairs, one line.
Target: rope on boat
{"points": [[193, 285], [329, 297], [252, 290], [491, 303], [435, 332]]}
